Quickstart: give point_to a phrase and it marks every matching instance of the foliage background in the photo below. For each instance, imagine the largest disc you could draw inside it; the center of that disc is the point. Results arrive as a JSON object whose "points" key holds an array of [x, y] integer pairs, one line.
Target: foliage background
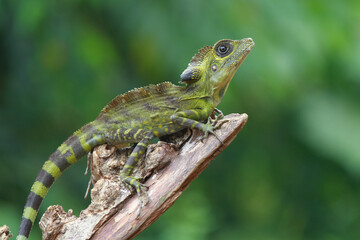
{"points": [[292, 173]]}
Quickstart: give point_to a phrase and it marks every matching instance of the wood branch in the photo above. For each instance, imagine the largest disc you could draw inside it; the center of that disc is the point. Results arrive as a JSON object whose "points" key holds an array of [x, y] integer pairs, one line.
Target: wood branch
{"points": [[168, 169], [5, 232]]}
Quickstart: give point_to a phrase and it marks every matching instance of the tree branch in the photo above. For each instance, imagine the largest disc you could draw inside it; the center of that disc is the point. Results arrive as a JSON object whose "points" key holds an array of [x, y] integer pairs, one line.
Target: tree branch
{"points": [[168, 169]]}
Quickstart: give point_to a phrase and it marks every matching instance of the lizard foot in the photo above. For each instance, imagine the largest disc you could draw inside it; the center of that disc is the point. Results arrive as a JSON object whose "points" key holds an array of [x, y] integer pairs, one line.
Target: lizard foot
{"points": [[209, 128], [215, 116], [141, 190]]}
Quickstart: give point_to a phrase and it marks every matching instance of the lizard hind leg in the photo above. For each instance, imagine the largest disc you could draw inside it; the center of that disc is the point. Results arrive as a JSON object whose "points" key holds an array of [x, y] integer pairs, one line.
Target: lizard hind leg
{"points": [[135, 156]]}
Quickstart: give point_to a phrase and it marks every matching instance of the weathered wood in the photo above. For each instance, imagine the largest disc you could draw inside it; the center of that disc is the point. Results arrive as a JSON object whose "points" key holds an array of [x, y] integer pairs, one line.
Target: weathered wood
{"points": [[169, 168], [5, 232]]}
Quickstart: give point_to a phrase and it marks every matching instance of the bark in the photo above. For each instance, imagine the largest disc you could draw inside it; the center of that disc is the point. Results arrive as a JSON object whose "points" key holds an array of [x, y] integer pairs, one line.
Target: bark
{"points": [[168, 169], [5, 232]]}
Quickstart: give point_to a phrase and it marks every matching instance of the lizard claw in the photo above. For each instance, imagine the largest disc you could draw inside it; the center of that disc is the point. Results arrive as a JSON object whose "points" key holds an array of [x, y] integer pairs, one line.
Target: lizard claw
{"points": [[210, 126], [215, 116], [141, 190], [143, 196]]}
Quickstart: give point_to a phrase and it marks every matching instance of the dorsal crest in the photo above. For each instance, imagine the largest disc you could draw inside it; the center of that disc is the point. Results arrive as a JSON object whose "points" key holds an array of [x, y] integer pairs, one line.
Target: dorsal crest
{"points": [[136, 94], [198, 58], [193, 72]]}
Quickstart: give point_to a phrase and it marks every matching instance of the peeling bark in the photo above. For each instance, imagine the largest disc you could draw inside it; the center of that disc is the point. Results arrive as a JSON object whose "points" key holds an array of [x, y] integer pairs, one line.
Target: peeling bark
{"points": [[5, 232]]}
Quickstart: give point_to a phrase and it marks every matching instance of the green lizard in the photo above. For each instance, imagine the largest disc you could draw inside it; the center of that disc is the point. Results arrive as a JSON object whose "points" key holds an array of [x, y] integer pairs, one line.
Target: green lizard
{"points": [[142, 114]]}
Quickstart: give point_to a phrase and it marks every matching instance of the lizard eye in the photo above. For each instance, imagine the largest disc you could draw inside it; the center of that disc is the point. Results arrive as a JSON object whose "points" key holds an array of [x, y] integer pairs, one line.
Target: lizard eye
{"points": [[223, 48]]}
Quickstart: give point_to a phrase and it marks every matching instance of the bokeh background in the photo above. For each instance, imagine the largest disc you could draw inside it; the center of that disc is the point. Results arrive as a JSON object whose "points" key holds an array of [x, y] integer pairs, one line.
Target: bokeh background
{"points": [[292, 173]]}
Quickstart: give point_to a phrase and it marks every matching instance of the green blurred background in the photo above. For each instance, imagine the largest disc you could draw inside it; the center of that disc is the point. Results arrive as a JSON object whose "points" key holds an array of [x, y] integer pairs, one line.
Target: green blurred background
{"points": [[292, 173]]}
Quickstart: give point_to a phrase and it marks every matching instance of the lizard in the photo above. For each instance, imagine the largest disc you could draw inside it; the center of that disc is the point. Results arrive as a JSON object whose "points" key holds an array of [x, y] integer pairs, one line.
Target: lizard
{"points": [[143, 114]]}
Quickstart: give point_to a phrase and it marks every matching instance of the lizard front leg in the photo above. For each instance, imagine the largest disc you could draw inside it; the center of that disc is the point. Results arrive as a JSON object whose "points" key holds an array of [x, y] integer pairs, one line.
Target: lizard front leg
{"points": [[192, 119]]}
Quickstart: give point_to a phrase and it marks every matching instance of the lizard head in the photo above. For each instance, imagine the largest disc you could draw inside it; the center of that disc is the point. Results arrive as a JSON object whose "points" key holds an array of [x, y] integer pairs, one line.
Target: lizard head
{"points": [[215, 66]]}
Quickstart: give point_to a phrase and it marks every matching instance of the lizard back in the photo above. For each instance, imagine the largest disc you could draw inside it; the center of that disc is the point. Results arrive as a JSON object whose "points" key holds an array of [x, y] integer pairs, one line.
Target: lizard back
{"points": [[148, 107]]}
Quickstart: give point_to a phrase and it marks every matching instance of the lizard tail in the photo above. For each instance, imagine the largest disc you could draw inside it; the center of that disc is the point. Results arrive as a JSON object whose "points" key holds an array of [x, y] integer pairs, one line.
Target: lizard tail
{"points": [[72, 150]]}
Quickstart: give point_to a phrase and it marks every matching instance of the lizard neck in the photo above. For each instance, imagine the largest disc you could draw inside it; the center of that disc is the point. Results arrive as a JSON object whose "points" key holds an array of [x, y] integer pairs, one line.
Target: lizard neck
{"points": [[201, 93]]}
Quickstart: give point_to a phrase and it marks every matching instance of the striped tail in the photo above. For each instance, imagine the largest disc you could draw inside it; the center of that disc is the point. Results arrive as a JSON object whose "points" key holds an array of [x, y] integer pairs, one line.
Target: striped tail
{"points": [[72, 150]]}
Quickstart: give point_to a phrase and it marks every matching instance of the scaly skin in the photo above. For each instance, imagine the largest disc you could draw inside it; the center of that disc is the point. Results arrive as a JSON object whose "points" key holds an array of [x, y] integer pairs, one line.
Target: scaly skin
{"points": [[144, 113]]}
